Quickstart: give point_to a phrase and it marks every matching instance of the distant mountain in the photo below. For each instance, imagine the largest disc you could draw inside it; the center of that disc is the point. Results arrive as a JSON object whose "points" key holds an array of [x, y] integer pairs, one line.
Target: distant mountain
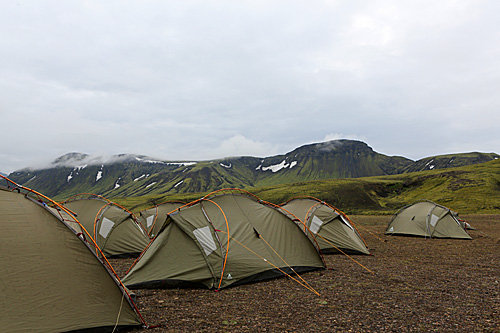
{"points": [[80, 173], [3, 174], [136, 175], [450, 161]]}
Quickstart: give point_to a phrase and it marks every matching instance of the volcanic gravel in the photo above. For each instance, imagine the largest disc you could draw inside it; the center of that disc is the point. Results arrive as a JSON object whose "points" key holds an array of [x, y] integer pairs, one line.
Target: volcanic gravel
{"points": [[408, 284]]}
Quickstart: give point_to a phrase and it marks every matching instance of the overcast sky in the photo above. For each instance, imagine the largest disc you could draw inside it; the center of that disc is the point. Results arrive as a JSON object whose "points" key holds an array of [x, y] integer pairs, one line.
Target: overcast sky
{"points": [[208, 79]]}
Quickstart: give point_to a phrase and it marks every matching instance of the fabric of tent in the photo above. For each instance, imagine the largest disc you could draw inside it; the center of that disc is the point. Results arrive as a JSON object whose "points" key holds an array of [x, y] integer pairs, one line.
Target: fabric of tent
{"points": [[332, 228], [152, 218], [51, 280], [115, 229], [427, 219], [224, 239]]}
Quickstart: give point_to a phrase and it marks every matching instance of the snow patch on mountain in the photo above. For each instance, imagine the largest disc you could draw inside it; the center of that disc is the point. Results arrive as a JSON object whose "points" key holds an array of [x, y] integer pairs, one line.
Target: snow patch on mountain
{"points": [[141, 177], [76, 170], [429, 165], [181, 163], [278, 167], [99, 174]]}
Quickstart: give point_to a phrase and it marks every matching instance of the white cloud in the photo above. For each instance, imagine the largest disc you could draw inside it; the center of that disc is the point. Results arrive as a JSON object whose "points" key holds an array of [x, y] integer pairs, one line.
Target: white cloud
{"points": [[338, 136], [239, 145]]}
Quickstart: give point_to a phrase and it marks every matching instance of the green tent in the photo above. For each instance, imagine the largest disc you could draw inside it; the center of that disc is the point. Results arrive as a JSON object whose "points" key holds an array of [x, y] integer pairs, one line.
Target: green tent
{"points": [[152, 218], [224, 239], [427, 219], [332, 228], [115, 230], [51, 280]]}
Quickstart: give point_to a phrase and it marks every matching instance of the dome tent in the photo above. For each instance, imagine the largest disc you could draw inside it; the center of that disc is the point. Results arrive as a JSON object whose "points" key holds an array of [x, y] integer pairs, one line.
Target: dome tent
{"points": [[426, 219], [53, 281], [227, 238], [115, 229], [152, 218], [333, 230]]}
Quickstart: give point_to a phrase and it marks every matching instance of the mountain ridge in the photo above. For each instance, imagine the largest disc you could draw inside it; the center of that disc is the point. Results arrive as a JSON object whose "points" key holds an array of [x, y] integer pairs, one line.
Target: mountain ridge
{"points": [[136, 175]]}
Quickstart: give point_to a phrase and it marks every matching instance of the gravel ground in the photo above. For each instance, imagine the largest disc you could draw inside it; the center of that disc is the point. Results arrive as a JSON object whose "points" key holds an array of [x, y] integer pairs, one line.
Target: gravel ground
{"points": [[415, 284]]}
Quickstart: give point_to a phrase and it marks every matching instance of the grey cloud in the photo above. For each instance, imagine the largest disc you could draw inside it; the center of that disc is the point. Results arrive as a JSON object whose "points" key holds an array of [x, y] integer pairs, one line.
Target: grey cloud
{"points": [[188, 79]]}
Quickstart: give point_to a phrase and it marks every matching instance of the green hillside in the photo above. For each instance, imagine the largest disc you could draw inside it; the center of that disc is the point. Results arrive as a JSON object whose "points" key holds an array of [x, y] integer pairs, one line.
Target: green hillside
{"points": [[468, 190]]}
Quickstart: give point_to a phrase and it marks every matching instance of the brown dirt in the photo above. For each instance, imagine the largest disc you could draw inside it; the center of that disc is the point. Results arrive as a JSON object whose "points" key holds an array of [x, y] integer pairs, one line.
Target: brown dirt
{"points": [[417, 285]]}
